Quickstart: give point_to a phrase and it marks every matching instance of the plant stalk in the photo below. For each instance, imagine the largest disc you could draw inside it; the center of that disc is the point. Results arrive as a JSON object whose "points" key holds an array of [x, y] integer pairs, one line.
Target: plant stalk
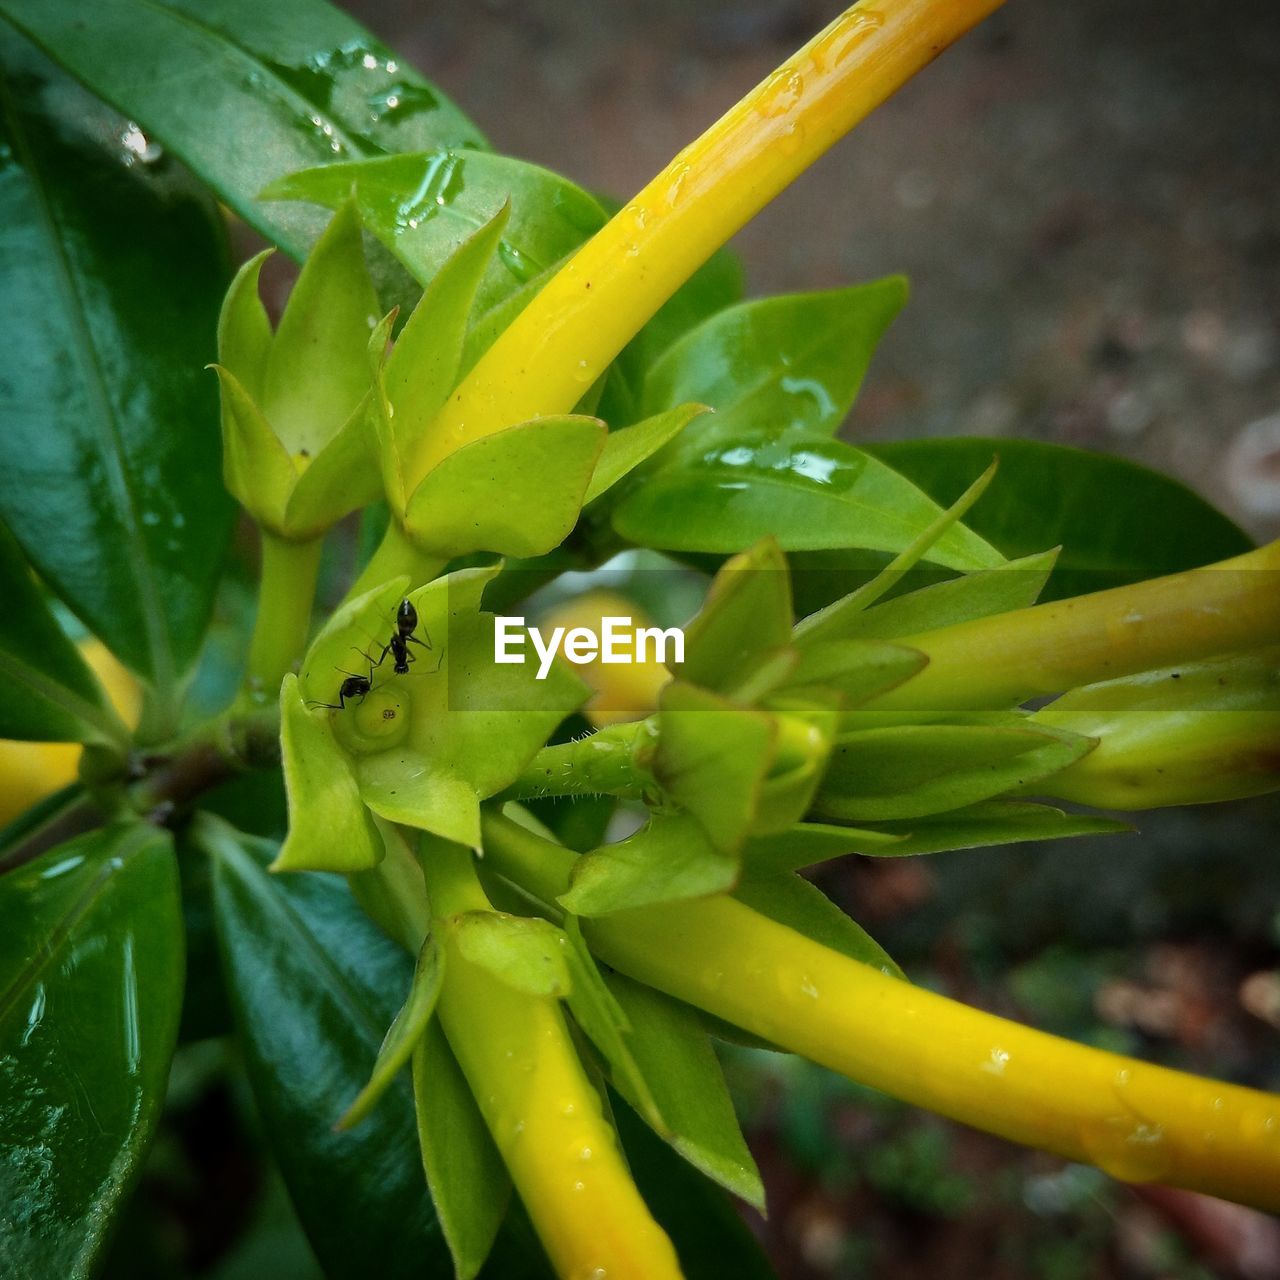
{"points": [[1138, 1122], [286, 591]]}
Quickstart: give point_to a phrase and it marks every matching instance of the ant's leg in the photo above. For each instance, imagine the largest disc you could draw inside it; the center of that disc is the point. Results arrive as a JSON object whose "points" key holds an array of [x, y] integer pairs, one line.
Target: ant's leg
{"points": [[327, 706]]}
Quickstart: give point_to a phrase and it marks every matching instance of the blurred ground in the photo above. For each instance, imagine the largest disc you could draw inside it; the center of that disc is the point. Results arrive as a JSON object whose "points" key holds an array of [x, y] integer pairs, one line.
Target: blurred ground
{"points": [[1084, 196]]}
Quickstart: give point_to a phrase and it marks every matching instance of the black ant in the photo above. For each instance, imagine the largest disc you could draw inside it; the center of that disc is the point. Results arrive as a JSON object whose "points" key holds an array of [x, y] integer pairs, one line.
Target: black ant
{"points": [[352, 687], [401, 639]]}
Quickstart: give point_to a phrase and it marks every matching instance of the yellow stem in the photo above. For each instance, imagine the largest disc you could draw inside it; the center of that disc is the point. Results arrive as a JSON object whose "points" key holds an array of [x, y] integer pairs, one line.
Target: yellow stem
{"points": [[1009, 657], [587, 313], [1137, 1121], [544, 1114]]}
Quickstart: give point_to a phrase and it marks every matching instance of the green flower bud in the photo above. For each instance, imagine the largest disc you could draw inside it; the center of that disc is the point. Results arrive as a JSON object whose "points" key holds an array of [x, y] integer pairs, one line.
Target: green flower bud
{"points": [[298, 448]]}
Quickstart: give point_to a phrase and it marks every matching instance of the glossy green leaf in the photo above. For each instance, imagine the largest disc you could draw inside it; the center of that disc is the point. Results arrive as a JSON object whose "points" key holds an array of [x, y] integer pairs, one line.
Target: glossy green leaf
{"points": [[525, 952], [782, 365], [117, 266], [626, 449], [746, 615], [1115, 521], [47, 693], [469, 1184], [709, 1234], [793, 901], [807, 843], [314, 984], [404, 1033], [329, 827], [712, 759], [517, 492], [669, 858], [908, 771], [1017, 584], [91, 963], [807, 491], [989, 822], [675, 1057], [267, 89], [422, 207]]}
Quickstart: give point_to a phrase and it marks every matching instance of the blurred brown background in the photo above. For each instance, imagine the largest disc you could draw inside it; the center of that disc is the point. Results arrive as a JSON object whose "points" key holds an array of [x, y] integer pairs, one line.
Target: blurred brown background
{"points": [[1084, 195]]}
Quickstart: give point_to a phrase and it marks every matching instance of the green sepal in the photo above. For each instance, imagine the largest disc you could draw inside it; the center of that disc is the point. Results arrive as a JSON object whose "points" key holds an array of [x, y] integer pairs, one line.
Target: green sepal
{"points": [[329, 828], [806, 730], [795, 902], [524, 952], [668, 859], [469, 725], [1016, 584], [256, 467], [807, 843], [517, 492], [712, 758], [341, 478], [423, 365], [747, 613], [316, 373], [676, 1060], [857, 670], [978, 826], [628, 447], [910, 771], [47, 692], [244, 328], [404, 1033], [596, 1010], [831, 621], [469, 1184]]}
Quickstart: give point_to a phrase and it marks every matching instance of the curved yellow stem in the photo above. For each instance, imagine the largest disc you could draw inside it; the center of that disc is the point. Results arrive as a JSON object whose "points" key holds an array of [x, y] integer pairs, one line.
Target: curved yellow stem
{"points": [[544, 1114], [588, 312], [1009, 657], [1137, 1121]]}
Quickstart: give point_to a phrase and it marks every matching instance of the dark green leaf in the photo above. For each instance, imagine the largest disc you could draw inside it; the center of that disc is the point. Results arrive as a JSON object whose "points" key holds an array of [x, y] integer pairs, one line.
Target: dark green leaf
{"points": [[314, 984], [114, 270], [976, 826], [91, 962], [809, 492], [1115, 521], [265, 89], [782, 365], [422, 207], [683, 1076], [47, 693]]}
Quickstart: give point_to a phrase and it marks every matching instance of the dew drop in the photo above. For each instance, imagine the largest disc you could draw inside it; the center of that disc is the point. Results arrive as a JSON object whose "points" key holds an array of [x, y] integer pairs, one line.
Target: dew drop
{"points": [[1126, 1147]]}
